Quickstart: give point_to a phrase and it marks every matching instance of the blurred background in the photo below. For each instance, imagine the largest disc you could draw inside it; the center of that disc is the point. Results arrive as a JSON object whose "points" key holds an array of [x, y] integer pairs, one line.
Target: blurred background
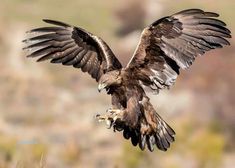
{"points": [[47, 111]]}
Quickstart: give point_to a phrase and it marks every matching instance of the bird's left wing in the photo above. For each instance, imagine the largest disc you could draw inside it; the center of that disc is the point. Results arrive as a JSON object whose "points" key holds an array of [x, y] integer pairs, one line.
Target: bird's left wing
{"points": [[174, 42], [70, 45]]}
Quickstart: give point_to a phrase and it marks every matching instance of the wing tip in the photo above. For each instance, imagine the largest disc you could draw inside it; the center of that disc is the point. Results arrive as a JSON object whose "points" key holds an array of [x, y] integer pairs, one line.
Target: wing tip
{"points": [[24, 41], [29, 56], [190, 11], [197, 11], [54, 22], [211, 14]]}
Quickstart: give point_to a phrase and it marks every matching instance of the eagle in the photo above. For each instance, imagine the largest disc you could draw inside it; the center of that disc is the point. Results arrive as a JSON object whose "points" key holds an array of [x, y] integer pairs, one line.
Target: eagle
{"points": [[166, 46]]}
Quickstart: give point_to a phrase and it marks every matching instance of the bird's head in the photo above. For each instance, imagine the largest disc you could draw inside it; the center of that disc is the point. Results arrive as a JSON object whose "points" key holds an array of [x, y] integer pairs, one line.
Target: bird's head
{"points": [[112, 78]]}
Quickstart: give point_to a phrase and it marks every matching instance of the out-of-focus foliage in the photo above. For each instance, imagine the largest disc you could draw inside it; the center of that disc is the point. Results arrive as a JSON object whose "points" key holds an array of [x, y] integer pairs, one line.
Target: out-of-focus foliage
{"points": [[47, 111]]}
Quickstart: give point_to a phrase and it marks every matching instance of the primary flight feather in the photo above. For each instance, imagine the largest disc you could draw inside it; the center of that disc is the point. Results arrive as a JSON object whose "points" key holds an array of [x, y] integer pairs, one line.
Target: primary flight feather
{"points": [[166, 46]]}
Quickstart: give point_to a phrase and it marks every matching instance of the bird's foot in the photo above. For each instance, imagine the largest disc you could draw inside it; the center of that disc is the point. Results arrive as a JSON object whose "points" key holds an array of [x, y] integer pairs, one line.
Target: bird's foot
{"points": [[111, 116], [104, 118]]}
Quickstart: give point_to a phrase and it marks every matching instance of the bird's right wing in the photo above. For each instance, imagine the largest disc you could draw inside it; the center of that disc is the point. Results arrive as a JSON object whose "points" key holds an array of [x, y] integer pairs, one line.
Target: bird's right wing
{"points": [[71, 45]]}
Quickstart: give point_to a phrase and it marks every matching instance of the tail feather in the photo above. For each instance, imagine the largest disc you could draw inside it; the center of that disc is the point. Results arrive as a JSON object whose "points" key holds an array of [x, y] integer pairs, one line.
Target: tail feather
{"points": [[161, 137], [135, 138], [150, 142], [165, 133], [126, 132], [142, 142]]}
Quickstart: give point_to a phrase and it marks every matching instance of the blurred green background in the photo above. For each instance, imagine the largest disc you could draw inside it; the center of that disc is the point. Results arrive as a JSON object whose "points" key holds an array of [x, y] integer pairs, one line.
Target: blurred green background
{"points": [[47, 111]]}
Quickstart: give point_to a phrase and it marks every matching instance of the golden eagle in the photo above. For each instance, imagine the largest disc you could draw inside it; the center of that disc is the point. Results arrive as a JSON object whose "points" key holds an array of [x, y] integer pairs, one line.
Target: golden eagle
{"points": [[165, 46]]}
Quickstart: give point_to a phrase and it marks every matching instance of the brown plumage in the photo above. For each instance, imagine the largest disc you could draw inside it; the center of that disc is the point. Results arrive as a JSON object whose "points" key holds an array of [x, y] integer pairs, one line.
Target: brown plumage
{"points": [[165, 46]]}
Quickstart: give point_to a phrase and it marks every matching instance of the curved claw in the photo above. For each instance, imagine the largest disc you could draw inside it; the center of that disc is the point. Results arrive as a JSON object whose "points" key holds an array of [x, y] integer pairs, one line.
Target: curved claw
{"points": [[110, 118], [109, 110]]}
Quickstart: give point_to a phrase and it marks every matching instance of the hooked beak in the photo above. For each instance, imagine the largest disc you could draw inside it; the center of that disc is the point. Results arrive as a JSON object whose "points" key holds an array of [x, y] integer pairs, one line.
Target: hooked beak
{"points": [[101, 87]]}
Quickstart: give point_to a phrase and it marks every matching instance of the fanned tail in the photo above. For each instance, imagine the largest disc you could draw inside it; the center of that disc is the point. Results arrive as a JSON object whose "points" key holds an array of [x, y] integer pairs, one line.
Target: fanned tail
{"points": [[151, 130], [164, 134]]}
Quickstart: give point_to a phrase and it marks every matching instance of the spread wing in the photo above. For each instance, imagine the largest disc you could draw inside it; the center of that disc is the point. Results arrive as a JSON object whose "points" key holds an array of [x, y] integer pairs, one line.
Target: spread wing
{"points": [[174, 42], [71, 45]]}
